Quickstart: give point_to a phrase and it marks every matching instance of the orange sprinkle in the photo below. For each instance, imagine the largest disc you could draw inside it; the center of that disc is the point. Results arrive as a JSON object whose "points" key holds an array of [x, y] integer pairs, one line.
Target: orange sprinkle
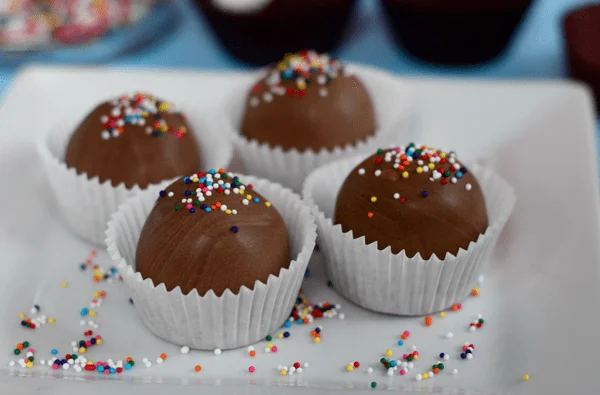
{"points": [[428, 320], [218, 204], [405, 163], [436, 370], [252, 353], [305, 320], [370, 215], [197, 368], [102, 294], [163, 356], [19, 346], [128, 359], [93, 252], [221, 170], [404, 337], [402, 157], [475, 292], [400, 168]]}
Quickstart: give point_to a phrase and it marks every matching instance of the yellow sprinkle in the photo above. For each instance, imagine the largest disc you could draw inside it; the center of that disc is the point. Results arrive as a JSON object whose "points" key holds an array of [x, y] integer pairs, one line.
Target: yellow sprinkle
{"points": [[29, 364], [431, 166], [305, 310], [241, 192], [388, 353], [317, 340], [145, 114], [405, 174], [99, 341], [92, 313], [51, 320], [373, 199], [425, 376], [283, 372], [442, 155], [415, 357], [164, 128], [268, 204], [301, 85], [228, 211], [164, 107], [442, 314], [82, 349], [249, 197], [280, 336], [64, 284], [96, 294], [349, 368], [281, 66], [21, 316], [526, 377], [419, 170]]}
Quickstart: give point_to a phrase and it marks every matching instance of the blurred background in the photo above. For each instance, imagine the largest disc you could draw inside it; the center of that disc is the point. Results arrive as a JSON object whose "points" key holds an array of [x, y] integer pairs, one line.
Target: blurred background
{"points": [[507, 39]]}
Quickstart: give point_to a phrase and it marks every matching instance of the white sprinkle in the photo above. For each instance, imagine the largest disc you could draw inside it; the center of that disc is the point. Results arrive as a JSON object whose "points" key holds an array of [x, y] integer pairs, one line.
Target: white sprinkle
{"points": [[361, 171], [75, 349], [446, 357], [185, 349], [396, 196], [234, 212], [254, 101], [323, 92], [479, 316], [66, 366], [342, 316], [413, 347], [480, 280], [321, 79], [250, 348], [472, 329], [148, 129], [455, 371], [390, 372], [245, 202], [11, 363], [430, 373], [279, 367], [305, 365], [267, 350], [71, 361], [77, 368], [148, 364], [145, 360], [268, 97], [469, 356], [115, 112], [159, 360], [218, 351], [411, 365], [468, 187], [299, 370], [449, 335], [418, 377], [292, 370], [42, 362], [453, 180], [377, 173], [403, 364], [369, 370], [104, 118]]}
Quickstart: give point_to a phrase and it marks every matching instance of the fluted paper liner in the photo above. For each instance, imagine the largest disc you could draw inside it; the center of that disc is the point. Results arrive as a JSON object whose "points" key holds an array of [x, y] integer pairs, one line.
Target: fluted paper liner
{"points": [[393, 114], [393, 283], [85, 204], [208, 322]]}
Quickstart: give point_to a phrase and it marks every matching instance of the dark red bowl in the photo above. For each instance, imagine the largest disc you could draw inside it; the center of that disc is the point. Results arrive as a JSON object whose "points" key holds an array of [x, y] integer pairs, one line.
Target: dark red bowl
{"points": [[582, 33], [283, 26], [455, 32]]}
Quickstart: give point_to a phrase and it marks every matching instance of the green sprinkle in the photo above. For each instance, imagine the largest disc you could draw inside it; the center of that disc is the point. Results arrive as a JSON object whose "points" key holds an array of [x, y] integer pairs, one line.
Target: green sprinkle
{"points": [[177, 208], [481, 320], [17, 351], [440, 366], [269, 338], [382, 360], [379, 151], [30, 358], [196, 202], [25, 344], [373, 384]]}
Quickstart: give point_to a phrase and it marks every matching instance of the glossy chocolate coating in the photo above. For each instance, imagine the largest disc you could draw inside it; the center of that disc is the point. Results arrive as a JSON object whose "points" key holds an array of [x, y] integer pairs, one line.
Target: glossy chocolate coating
{"points": [[414, 214], [202, 250], [330, 112], [138, 156]]}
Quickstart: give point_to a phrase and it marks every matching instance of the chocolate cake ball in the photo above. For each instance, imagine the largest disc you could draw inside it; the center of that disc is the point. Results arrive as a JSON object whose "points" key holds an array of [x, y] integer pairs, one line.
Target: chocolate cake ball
{"points": [[211, 232], [136, 140], [455, 31], [259, 31], [415, 199], [582, 31], [308, 102]]}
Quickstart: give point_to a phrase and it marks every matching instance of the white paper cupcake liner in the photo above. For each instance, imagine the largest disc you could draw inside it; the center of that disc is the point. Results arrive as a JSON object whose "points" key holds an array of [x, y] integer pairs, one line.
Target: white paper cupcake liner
{"points": [[393, 112], [393, 283], [209, 322], [85, 204]]}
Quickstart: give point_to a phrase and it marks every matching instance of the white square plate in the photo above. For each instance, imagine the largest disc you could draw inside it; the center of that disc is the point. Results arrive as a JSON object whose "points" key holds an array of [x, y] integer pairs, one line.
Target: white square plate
{"points": [[539, 299]]}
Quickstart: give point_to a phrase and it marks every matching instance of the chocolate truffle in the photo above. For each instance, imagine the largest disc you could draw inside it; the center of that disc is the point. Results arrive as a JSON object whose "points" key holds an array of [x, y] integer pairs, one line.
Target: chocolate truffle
{"points": [[415, 199], [136, 140], [308, 102], [455, 31], [582, 31], [211, 232], [260, 31]]}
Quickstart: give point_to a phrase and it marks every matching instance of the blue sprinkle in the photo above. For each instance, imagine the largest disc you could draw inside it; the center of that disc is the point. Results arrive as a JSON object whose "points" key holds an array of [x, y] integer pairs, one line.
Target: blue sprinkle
{"points": [[286, 334], [287, 74], [234, 229], [307, 273], [127, 366], [256, 200], [130, 300], [469, 352], [424, 193], [84, 312], [298, 321], [212, 171], [113, 370], [287, 324], [318, 330], [459, 174], [393, 363], [100, 369], [92, 340], [208, 209], [400, 343], [54, 351], [442, 355], [192, 210], [113, 270], [82, 266], [187, 192], [464, 170], [415, 156], [37, 307], [463, 355], [204, 206]]}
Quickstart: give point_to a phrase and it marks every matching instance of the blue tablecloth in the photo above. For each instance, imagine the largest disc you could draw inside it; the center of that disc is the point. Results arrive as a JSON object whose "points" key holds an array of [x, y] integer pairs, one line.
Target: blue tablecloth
{"points": [[536, 51]]}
